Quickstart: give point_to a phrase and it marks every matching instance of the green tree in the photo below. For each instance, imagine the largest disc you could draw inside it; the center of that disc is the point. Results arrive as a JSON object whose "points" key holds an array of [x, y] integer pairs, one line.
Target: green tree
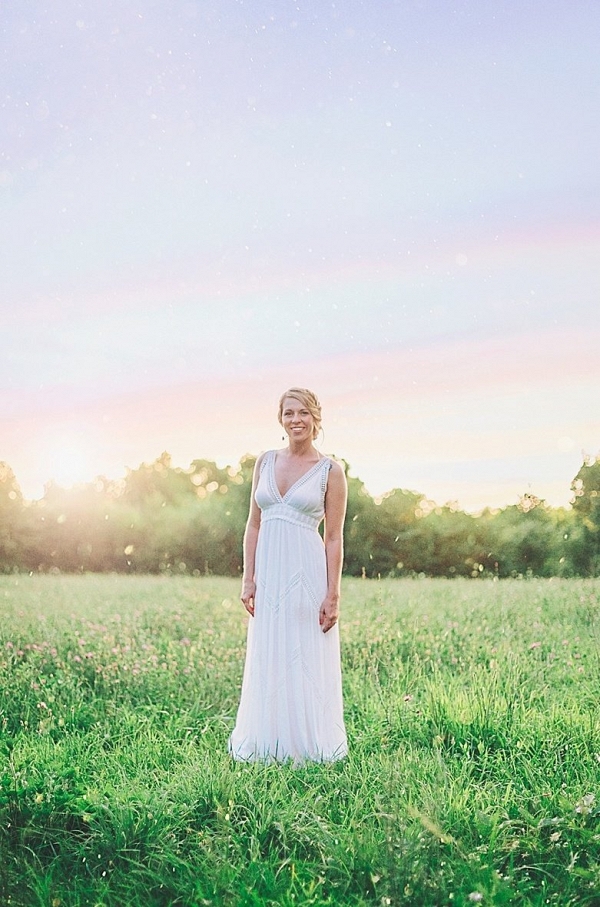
{"points": [[74, 529], [586, 506], [157, 484], [525, 539], [451, 543], [398, 532], [11, 512], [186, 520], [358, 528]]}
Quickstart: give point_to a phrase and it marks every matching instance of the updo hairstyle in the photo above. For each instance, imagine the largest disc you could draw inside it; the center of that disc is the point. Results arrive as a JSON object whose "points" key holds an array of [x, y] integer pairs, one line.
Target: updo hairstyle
{"points": [[308, 400]]}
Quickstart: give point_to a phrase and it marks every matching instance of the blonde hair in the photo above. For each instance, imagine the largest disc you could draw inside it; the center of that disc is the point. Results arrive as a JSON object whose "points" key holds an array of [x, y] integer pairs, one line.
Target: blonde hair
{"points": [[307, 399]]}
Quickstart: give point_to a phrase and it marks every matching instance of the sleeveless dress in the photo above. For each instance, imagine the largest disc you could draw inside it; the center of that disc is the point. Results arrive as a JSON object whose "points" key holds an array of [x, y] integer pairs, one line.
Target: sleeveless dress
{"points": [[291, 702]]}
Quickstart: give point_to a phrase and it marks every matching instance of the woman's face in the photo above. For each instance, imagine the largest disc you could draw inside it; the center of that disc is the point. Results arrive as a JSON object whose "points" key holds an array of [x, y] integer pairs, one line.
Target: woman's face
{"points": [[296, 419]]}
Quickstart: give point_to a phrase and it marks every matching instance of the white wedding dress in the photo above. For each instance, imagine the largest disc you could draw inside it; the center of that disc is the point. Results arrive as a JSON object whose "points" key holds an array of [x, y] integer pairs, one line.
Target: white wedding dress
{"points": [[291, 702]]}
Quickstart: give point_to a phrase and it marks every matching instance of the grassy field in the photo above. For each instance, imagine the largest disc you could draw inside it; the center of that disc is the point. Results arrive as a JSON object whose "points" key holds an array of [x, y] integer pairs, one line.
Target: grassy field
{"points": [[473, 774]]}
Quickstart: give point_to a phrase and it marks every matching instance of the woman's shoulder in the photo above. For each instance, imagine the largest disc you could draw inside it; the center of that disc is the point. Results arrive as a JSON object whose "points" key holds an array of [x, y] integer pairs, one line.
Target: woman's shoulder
{"points": [[261, 460], [335, 466], [264, 457]]}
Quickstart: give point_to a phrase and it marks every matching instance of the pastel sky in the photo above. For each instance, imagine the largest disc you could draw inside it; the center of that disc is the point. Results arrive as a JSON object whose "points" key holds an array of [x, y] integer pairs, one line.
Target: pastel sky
{"points": [[393, 203]]}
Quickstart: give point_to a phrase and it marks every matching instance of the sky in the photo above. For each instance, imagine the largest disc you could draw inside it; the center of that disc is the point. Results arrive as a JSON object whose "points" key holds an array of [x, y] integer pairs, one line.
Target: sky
{"points": [[392, 203]]}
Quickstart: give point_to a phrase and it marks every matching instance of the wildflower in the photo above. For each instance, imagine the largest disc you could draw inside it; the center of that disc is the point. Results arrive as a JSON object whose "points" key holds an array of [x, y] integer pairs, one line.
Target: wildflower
{"points": [[476, 897], [584, 807]]}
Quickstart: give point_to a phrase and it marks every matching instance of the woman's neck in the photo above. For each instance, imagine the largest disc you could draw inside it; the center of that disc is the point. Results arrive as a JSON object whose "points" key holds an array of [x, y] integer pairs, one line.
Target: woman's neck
{"points": [[301, 449]]}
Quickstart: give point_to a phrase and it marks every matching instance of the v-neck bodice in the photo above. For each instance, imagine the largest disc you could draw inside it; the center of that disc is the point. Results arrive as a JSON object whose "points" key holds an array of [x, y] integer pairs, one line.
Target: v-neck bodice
{"points": [[299, 480], [305, 497]]}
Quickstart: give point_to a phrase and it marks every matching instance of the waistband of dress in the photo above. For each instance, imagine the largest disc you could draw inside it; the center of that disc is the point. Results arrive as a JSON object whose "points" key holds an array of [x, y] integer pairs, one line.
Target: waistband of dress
{"points": [[290, 515]]}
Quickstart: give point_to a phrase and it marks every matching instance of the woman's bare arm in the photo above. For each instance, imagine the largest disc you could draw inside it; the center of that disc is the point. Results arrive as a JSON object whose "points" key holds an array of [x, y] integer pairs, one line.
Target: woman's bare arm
{"points": [[335, 512], [250, 542]]}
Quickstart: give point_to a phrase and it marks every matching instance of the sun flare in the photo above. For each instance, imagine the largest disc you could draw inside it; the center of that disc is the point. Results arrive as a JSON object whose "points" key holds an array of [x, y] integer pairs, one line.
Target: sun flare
{"points": [[69, 460]]}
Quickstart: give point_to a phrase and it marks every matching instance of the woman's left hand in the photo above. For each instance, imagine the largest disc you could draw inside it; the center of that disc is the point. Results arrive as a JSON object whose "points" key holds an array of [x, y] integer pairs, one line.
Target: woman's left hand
{"points": [[329, 613]]}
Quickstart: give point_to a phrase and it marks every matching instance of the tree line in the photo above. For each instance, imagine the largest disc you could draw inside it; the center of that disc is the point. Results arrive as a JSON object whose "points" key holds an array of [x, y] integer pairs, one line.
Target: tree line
{"points": [[165, 519]]}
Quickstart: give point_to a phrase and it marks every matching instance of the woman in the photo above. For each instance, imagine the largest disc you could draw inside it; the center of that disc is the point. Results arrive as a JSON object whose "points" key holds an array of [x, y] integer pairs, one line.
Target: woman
{"points": [[291, 702]]}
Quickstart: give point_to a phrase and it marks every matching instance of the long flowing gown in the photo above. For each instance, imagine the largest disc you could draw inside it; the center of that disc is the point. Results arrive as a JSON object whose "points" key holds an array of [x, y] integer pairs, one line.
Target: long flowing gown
{"points": [[291, 702]]}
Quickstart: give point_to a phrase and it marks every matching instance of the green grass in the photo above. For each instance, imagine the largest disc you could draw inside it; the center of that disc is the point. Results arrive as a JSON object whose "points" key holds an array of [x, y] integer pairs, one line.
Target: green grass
{"points": [[473, 774]]}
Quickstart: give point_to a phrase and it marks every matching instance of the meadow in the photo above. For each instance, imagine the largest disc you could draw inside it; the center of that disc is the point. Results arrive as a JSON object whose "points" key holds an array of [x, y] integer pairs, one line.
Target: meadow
{"points": [[473, 774]]}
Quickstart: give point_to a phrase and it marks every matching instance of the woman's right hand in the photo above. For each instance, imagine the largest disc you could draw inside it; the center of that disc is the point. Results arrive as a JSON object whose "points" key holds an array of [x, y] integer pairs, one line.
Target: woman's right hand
{"points": [[247, 596]]}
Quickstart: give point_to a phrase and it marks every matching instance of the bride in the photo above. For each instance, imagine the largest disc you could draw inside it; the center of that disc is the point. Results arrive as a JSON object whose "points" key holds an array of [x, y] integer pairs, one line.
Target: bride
{"points": [[291, 701]]}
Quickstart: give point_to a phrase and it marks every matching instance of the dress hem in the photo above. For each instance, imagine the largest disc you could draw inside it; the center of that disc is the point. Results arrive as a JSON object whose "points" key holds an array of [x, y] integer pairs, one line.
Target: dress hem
{"points": [[269, 758]]}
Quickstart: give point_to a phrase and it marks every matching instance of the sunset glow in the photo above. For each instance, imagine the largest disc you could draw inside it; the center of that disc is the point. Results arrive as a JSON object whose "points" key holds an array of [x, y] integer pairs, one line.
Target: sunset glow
{"points": [[67, 459]]}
